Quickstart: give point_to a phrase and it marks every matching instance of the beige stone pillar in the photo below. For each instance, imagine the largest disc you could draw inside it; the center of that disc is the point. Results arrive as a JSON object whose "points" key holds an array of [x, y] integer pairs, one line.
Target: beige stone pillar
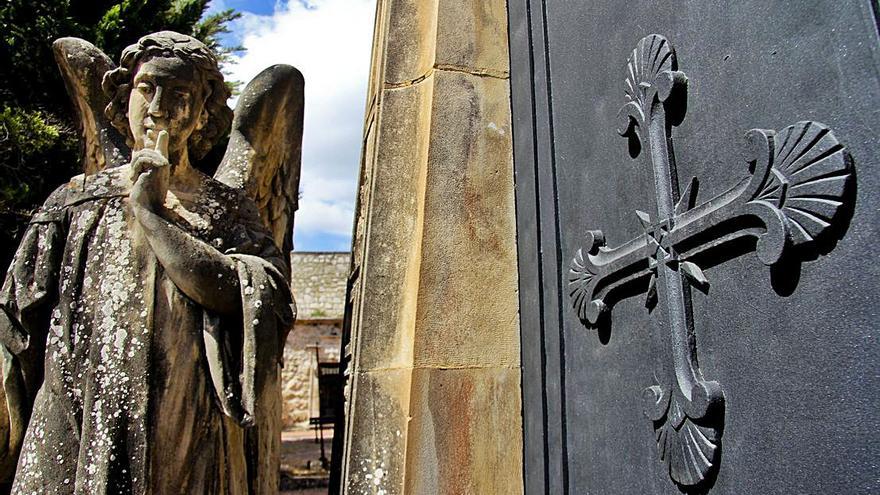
{"points": [[434, 394]]}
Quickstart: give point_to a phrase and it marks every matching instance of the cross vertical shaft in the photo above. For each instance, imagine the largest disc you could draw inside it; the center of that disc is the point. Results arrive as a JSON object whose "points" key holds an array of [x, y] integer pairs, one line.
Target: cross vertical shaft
{"points": [[686, 427], [674, 292]]}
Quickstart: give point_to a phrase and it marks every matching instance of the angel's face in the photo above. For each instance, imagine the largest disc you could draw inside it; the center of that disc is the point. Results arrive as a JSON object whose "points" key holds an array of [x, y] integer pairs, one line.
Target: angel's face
{"points": [[167, 94]]}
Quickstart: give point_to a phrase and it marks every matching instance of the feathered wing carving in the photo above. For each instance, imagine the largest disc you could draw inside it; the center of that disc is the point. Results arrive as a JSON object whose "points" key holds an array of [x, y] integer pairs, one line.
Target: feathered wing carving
{"points": [[263, 160], [82, 67], [265, 148]]}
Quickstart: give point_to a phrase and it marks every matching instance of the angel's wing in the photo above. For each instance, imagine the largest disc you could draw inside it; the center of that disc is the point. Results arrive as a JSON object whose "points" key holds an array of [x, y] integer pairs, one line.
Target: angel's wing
{"points": [[83, 66], [265, 147]]}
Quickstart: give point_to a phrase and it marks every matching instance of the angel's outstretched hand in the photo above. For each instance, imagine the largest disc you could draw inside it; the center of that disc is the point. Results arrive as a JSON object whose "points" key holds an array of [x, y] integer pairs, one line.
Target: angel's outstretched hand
{"points": [[151, 173]]}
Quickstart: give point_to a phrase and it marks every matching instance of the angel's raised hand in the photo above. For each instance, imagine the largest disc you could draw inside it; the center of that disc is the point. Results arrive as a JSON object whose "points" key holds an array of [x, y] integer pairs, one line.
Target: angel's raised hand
{"points": [[151, 172]]}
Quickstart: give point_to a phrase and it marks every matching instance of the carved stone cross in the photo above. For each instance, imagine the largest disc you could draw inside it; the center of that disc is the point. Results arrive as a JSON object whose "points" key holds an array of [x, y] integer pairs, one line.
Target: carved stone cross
{"points": [[796, 188]]}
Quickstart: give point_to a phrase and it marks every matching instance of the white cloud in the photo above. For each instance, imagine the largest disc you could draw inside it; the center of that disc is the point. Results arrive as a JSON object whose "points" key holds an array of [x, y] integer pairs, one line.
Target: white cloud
{"points": [[329, 41]]}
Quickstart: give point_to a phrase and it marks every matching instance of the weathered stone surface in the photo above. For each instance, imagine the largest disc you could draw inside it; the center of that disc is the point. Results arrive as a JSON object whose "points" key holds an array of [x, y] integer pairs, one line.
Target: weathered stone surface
{"points": [[264, 151], [463, 436], [420, 36], [83, 66], [388, 309], [435, 291], [408, 37], [472, 37], [467, 285], [375, 459]]}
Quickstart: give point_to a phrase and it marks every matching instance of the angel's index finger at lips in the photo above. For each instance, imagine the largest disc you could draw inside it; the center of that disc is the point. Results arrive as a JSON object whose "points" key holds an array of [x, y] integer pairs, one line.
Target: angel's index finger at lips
{"points": [[162, 143]]}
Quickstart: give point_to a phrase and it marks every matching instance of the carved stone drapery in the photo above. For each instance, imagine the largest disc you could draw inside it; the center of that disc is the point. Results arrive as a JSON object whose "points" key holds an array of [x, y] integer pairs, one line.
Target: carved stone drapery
{"points": [[794, 194]]}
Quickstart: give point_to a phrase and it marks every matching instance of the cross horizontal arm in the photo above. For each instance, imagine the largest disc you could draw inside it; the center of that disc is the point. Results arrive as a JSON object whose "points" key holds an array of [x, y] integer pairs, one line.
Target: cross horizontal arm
{"points": [[598, 274]]}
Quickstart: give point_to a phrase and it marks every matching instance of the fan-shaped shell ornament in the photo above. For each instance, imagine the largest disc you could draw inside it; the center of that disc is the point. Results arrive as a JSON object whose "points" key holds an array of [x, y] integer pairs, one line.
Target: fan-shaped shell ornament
{"points": [[649, 58], [808, 176], [648, 72]]}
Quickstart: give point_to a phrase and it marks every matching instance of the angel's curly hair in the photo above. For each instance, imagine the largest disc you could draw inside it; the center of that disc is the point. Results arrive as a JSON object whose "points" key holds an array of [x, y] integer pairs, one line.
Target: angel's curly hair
{"points": [[117, 85]]}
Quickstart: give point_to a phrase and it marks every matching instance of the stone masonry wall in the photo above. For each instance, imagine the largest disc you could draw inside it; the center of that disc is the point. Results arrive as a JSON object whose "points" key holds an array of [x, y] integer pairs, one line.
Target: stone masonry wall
{"points": [[298, 378], [318, 281], [318, 284]]}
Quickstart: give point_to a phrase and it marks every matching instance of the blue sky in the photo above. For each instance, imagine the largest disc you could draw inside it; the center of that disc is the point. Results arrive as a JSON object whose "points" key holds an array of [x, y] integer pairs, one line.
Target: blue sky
{"points": [[259, 7], [329, 41]]}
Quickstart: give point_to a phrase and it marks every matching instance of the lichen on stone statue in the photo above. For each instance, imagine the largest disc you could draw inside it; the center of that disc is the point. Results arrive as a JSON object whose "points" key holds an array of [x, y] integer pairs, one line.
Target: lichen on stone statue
{"points": [[142, 318]]}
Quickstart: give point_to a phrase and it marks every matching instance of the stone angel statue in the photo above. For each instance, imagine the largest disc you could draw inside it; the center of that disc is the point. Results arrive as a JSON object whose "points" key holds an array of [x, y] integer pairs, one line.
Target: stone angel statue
{"points": [[143, 316]]}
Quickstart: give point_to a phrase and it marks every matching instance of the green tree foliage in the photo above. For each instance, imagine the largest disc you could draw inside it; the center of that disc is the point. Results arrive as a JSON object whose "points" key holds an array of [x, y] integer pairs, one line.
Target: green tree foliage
{"points": [[39, 142]]}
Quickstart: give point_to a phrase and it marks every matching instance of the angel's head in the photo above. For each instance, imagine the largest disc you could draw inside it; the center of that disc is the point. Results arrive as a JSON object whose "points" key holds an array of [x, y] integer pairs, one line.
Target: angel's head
{"points": [[169, 81]]}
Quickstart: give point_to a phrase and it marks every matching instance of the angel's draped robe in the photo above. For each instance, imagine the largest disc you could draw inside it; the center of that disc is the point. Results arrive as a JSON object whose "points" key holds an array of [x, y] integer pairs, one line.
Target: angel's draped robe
{"points": [[144, 391]]}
